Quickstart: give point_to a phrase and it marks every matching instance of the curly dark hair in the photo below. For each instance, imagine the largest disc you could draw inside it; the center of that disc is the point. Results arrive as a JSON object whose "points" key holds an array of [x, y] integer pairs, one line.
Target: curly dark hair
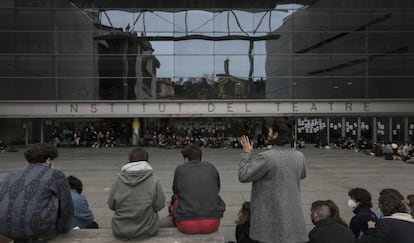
{"points": [[391, 203], [40, 152], [284, 130], [75, 184], [392, 192], [362, 196]]}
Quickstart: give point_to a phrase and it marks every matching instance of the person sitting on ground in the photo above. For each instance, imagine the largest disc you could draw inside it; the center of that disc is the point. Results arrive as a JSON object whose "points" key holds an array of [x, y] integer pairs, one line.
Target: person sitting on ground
{"points": [[360, 203], [388, 151], [326, 229], [35, 200], [136, 198], [397, 226], [3, 146], [198, 208], [83, 216], [235, 143], [243, 225]]}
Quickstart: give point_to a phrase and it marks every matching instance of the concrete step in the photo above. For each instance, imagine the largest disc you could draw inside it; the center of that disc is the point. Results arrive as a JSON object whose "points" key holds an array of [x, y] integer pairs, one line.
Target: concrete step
{"points": [[164, 235]]}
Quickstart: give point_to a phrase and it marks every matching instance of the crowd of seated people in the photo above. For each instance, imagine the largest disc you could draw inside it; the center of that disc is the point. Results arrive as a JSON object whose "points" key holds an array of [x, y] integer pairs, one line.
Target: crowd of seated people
{"points": [[89, 136], [388, 150], [170, 138]]}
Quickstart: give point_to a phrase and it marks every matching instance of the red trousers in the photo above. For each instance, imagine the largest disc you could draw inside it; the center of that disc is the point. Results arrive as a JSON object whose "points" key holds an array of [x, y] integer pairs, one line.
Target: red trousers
{"points": [[197, 226]]}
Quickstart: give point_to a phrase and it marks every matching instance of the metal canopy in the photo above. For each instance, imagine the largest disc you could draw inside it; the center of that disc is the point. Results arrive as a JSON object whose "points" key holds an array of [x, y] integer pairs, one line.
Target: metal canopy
{"points": [[180, 5]]}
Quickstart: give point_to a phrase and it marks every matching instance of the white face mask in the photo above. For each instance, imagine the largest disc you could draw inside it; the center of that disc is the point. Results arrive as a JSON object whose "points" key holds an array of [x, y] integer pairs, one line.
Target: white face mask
{"points": [[352, 204]]}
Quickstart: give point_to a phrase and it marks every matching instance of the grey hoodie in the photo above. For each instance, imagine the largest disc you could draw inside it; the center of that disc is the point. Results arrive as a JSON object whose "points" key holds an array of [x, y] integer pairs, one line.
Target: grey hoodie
{"points": [[136, 197]]}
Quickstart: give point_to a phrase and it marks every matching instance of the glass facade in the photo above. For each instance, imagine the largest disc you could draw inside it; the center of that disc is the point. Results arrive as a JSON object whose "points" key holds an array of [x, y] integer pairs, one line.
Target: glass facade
{"points": [[134, 50]]}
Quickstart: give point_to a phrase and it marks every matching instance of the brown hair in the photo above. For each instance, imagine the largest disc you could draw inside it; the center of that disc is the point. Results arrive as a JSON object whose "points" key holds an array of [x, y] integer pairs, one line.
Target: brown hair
{"points": [[192, 152], [138, 154], [244, 214]]}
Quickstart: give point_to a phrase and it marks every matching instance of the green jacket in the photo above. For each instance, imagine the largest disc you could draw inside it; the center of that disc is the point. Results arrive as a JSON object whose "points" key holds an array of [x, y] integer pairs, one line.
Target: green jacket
{"points": [[136, 197]]}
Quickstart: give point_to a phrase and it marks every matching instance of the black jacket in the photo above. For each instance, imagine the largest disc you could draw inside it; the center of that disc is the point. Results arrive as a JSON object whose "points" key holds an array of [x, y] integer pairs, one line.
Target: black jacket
{"points": [[391, 230], [359, 223], [197, 186], [243, 232], [329, 231]]}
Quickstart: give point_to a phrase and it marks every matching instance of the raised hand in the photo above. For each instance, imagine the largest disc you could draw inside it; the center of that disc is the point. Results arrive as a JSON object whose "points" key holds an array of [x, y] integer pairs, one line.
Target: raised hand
{"points": [[245, 142]]}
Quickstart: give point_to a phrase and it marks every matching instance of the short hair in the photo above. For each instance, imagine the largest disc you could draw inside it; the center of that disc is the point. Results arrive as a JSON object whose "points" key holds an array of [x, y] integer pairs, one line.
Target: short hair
{"points": [[362, 196], [391, 203], [138, 154], [284, 131], [321, 208], [40, 152], [192, 152], [75, 184]]}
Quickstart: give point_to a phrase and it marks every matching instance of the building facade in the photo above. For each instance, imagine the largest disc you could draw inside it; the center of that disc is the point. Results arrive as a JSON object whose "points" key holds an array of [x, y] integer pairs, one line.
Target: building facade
{"points": [[340, 68]]}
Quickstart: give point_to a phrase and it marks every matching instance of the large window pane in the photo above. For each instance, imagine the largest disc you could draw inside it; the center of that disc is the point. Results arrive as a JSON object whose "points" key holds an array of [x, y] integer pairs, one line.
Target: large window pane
{"points": [[34, 20], [193, 66], [6, 19], [7, 66], [34, 42], [34, 66], [73, 20], [193, 47]]}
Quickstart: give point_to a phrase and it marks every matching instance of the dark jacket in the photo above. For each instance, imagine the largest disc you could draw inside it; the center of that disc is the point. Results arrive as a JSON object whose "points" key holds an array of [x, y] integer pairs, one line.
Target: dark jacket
{"points": [[359, 223], [34, 200], [397, 228], [243, 232], [197, 186], [329, 231]]}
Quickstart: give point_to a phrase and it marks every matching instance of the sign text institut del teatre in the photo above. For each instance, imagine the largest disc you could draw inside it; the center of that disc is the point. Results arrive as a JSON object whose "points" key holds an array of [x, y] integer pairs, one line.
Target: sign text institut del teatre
{"points": [[241, 108]]}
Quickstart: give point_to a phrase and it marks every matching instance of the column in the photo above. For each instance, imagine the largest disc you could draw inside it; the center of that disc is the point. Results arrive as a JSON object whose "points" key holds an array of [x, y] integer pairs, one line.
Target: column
{"points": [[390, 128], [405, 129], [359, 127], [343, 127], [328, 139], [374, 129], [135, 131]]}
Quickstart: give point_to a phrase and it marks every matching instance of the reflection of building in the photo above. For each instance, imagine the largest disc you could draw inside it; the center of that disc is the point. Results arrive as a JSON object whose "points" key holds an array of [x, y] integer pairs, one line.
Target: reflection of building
{"points": [[230, 87], [126, 66], [83, 59], [342, 49], [165, 88]]}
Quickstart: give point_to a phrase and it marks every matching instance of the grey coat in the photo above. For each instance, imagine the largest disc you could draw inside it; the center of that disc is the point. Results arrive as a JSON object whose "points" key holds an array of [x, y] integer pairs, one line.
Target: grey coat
{"points": [[276, 207]]}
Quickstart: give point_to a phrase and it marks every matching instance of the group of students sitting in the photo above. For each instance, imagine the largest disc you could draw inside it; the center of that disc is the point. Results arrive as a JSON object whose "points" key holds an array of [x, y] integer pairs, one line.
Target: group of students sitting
{"points": [[56, 204], [393, 223], [38, 202]]}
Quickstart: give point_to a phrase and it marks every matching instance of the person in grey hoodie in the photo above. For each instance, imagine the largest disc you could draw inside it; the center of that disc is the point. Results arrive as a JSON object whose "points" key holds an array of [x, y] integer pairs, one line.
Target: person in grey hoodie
{"points": [[136, 198]]}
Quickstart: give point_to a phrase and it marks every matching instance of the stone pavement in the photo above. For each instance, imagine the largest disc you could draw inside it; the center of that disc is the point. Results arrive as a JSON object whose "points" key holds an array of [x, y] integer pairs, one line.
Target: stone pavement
{"points": [[331, 173]]}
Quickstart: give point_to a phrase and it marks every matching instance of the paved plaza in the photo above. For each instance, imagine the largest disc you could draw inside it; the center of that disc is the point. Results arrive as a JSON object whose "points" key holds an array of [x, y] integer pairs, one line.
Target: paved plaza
{"points": [[330, 174]]}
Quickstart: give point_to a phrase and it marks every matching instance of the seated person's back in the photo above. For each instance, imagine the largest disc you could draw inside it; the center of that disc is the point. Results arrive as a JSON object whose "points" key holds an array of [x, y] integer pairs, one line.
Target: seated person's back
{"points": [[198, 208], [83, 216], [136, 198], [326, 229]]}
